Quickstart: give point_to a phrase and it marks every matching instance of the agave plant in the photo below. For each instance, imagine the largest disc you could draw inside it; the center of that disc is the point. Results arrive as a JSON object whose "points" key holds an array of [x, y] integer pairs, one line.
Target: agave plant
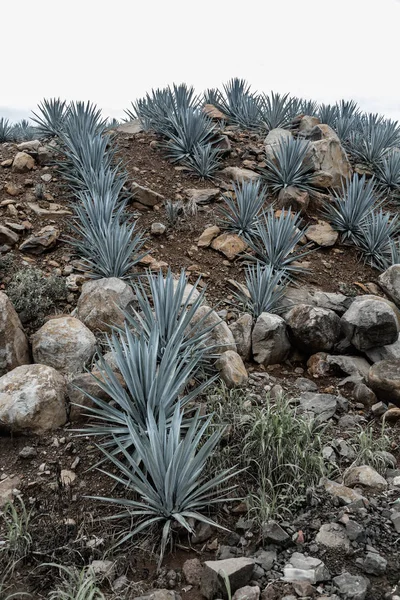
{"points": [[23, 131], [173, 211], [187, 130], [84, 117], [50, 121], [288, 166], [166, 475], [204, 160], [275, 239], [153, 379], [374, 138], [328, 114], [5, 130], [388, 173], [277, 110], [377, 231], [266, 288], [347, 210], [240, 215]]}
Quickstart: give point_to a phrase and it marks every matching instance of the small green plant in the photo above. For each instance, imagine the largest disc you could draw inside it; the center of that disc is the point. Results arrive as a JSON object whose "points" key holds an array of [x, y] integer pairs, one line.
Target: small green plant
{"points": [[289, 166], [34, 295], [371, 448], [174, 212], [17, 537], [240, 215], [266, 288], [76, 585]]}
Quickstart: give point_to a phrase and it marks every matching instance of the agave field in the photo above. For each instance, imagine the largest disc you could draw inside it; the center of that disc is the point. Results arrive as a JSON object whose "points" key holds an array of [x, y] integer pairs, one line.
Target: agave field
{"points": [[199, 349]]}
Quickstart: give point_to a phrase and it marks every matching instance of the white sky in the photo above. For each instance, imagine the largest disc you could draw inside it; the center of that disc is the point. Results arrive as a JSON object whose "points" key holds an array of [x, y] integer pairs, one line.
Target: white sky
{"points": [[113, 52]]}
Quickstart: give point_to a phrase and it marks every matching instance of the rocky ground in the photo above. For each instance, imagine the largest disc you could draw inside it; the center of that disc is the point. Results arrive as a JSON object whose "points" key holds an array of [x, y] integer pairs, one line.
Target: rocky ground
{"points": [[335, 353]]}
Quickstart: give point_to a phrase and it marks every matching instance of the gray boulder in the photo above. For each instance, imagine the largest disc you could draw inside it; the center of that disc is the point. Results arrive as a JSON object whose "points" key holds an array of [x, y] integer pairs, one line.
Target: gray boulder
{"points": [[369, 323], [14, 347], [270, 341], [321, 407], [351, 587], [102, 301], [239, 572], [313, 329], [390, 283], [384, 380], [231, 369], [241, 330], [220, 337], [273, 139], [389, 352]]}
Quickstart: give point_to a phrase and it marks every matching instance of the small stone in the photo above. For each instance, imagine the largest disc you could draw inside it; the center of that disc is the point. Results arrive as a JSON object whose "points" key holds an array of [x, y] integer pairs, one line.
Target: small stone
{"points": [[67, 477], [23, 163], [239, 572], [374, 564], [322, 234], [333, 535], [192, 570], [231, 369], [157, 228], [103, 569], [45, 239], [145, 196], [344, 493], [305, 568], [351, 587], [364, 476], [395, 518], [378, 409], [202, 196], [247, 592], [207, 236], [229, 244], [28, 452], [8, 485], [7, 236], [273, 533]]}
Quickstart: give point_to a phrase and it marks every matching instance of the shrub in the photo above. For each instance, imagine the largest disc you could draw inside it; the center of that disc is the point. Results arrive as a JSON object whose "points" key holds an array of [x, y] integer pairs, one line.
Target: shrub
{"points": [[166, 474], [241, 214], [347, 210], [34, 295], [266, 289], [275, 239], [370, 449], [288, 166]]}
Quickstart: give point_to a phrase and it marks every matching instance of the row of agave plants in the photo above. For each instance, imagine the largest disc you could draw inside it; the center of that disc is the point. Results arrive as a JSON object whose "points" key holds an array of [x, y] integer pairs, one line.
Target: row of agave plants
{"points": [[150, 431]]}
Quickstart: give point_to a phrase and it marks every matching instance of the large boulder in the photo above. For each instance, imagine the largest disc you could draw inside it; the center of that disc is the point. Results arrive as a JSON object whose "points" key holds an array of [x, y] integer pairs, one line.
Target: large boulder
{"points": [[274, 138], [65, 344], [231, 369], [270, 341], [370, 322], [32, 400], [384, 380], [102, 301], [241, 330], [389, 352], [390, 283], [220, 338], [313, 329], [14, 347], [327, 154]]}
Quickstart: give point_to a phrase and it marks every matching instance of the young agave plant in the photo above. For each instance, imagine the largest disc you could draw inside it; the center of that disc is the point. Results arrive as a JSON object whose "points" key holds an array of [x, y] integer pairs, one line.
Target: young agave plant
{"points": [[173, 211], [373, 139], [277, 110], [204, 161], [275, 239], [347, 210], [187, 129], [240, 215], [266, 288], [388, 173], [288, 167], [375, 236], [51, 119], [165, 475]]}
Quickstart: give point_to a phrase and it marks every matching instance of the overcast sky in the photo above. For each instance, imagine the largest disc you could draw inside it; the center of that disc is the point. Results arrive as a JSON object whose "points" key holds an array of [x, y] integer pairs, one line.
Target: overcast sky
{"points": [[112, 52]]}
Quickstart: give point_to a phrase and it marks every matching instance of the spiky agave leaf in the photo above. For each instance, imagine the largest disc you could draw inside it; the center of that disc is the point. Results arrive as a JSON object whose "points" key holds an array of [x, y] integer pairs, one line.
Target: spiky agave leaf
{"points": [[266, 288], [328, 114], [288, 166], [347, 210], [153, 379], [5, 130], [84, 117], [388, 173], [240, 215], [275, 239], [168, 475], [204, 160], [373, 139], [187, 129], [374, 238], [277, 110], [51, 117]]}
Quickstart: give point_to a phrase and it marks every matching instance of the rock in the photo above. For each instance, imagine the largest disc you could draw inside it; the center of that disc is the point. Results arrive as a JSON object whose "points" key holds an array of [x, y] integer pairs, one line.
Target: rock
{"points": [[14, 347], [44, 155], [389, 352], [192, 571], [53, 209], [239, 174], [322, 234], [265, 558], [241, 330], [307, 124], [65, 344], [159, 595], [321, 407], [67, 477], [292, 197], [8, 487], [30, 145], [378, 409], [229, 244], [202, 533], [22, 163], [27, 452], [327, 154], [333, 535], [339, 303], [47, 177], [345, 494], [202, 196], [44, 240], [273, 140], [12, 189], [145, 195], [364, 476], [321, 179], [270, 341], [207, 236], [238, 571], [219, 339], [369, 323], [32, 400], [103, 569], [306, 385], [214, 113], [131, 127], [390, 283], [395, 518], [392, 415], [7, 236], [157, 228], [313, 329], [231, 369], [384, 380], [349, 365], [351, 587], [273, 533], [363, 394], [374, 564], [102, 301], [305, 568], [247, 592]]}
